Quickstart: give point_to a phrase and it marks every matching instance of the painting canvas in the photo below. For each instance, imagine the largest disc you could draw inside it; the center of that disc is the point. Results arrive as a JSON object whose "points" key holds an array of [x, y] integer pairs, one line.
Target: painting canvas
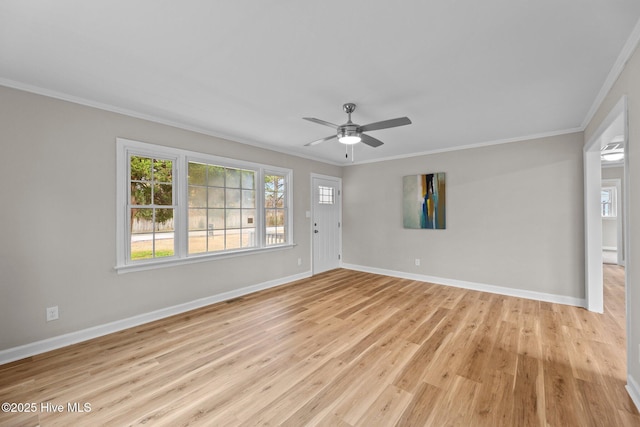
{"points": [[424, 201]]}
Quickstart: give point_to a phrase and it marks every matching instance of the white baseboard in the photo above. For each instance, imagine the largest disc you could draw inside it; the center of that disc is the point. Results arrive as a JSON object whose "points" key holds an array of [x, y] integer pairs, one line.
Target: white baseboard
{"points": [[634, 391], [520, 293], [38, 347]]}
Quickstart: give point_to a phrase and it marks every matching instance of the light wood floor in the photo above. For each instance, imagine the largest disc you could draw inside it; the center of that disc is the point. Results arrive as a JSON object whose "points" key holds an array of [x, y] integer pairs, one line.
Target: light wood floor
{"points": [[345, 348]]}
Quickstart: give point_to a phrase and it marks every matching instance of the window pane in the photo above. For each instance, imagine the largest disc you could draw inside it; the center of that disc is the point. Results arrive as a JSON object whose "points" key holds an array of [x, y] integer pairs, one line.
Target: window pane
{"points": [[197, 219], [274, 183], [197, 174], [163, 194], [141, 233], [248, 199], [248, 180], [216, 219], [140, 168], [164, 235], [607, 200], [216, 241], [248, 218], [274, 186], [276, 217], [274, 231], [232, 198], [216, 197], [197, 197], [163, 219], [164, 244], [270, 217], [325, 195], [233, 178], [270, 200], [248, 237], [152, 233], [279, 231], [197, 242], [162, 170], [216, 176], [233, 218], [140, 193], [233, 239]]}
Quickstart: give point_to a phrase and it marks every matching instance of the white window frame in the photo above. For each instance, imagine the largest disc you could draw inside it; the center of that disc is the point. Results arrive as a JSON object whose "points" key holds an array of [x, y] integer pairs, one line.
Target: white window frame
{"points": [[126, 148], [287, 205], [613, 191]]}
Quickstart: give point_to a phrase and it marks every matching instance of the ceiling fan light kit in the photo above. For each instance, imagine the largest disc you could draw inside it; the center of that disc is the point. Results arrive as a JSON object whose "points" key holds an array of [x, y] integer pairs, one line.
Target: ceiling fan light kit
{"points": [[352, 133], [349, 139]]}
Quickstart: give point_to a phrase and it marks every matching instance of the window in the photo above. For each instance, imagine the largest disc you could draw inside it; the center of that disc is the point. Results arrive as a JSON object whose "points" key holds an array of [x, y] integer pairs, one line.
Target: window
{"points": [[275, 209], [608, 202], [176, 206], [151, 207], [325, 195]]}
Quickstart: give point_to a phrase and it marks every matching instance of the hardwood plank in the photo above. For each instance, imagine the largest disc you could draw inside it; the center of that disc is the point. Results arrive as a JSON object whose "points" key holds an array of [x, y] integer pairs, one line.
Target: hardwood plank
{"points": [[386, 409], [424, 404], [528, 393], [494, 405]]}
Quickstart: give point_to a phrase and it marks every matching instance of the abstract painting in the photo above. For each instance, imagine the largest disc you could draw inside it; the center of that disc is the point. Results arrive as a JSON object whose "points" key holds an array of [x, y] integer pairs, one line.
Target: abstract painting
{"points": [[424, 201]]}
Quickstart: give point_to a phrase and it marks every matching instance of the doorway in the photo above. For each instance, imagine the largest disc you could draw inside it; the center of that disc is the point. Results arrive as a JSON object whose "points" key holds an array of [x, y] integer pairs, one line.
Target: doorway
{"points": [[613, 126], [326, 218]]}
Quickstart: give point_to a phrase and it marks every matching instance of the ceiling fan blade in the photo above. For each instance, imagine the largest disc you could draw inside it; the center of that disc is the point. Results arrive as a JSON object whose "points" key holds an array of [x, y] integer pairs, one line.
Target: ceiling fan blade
{"points": [[370, 141], [318, 141], [321, 122], [400, 121]]}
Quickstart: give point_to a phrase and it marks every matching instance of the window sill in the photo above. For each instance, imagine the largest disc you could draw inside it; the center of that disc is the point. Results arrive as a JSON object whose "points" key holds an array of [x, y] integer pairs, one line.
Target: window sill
{"points": [[162, 263], [610, 218]]}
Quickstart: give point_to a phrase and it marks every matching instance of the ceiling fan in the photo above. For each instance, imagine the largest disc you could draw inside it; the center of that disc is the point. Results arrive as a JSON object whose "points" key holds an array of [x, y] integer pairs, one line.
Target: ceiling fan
{"points": [[351, 133]]}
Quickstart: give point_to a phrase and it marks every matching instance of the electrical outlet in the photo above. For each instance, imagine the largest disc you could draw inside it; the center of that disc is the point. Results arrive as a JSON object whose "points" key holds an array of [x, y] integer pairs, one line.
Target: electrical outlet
{"points": [[299, 262], [417, 261], [52, 313]]}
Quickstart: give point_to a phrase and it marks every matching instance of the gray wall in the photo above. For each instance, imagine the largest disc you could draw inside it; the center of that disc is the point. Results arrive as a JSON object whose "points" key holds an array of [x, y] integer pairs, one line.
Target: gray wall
{"points": [[628, 84], [57, 222], [514, 216]]}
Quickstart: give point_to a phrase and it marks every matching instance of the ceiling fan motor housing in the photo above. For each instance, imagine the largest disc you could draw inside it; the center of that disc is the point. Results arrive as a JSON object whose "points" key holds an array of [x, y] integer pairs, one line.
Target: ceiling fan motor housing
{"points": [[349, 133]]}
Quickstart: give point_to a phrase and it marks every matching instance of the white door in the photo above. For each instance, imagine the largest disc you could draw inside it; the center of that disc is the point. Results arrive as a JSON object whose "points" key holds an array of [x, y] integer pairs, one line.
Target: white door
{"points": [[326, 223]]}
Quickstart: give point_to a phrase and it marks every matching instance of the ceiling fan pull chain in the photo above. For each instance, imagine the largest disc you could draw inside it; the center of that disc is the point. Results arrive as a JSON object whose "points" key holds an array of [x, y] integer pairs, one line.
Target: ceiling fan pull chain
{"points": [[352, 158]]}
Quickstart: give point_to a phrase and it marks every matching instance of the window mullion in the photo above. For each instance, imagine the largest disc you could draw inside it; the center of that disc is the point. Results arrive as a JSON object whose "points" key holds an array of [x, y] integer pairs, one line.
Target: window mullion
{"points": [[181, 225], [260, 211]]}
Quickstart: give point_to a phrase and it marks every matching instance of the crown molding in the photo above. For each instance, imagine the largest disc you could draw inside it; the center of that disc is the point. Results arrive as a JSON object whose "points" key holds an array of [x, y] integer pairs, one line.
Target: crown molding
{"points": [[155, 119], [626, 52], [470, 146]]}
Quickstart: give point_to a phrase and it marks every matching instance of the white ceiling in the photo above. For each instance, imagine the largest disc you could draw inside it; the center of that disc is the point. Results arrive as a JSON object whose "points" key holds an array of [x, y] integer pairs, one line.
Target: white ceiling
{"points": [[466, 72]]}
